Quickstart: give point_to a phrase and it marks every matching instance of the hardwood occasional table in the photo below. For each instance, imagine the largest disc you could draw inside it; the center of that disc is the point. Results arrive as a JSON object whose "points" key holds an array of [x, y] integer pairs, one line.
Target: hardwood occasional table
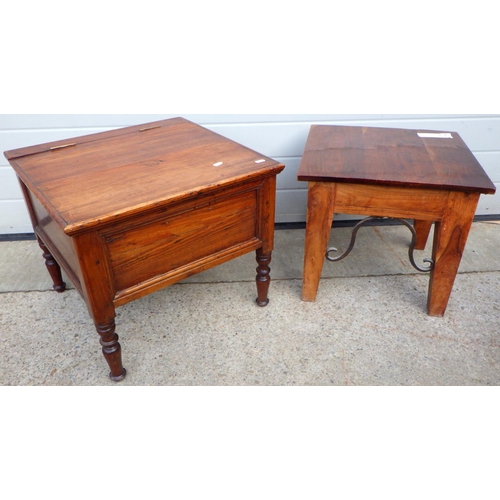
{"points": [[130, 211], [421, 175]]}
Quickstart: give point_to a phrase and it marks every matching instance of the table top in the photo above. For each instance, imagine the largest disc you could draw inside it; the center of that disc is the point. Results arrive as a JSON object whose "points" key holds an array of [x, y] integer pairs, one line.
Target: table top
{"points": [[96, 178], [388, 156]]}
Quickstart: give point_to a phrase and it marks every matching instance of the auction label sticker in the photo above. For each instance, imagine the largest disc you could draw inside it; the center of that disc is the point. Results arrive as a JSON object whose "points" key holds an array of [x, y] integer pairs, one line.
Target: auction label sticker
{"points": [[435, 135]]}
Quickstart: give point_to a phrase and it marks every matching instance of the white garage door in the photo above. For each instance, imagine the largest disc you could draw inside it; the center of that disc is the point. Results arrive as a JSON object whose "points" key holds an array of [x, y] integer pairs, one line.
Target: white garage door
{"points": [[281, 137]]}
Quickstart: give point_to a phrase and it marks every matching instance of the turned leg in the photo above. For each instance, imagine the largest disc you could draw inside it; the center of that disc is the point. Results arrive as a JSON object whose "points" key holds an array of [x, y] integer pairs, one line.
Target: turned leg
{"points": [[263, 278], [422, 228], [318, 227], [112, 350], [450, 237], [53, 268]]}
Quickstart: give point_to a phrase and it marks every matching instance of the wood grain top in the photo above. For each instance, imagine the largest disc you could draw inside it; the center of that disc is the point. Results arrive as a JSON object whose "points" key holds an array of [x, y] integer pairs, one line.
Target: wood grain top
{"points": [[90, 180], [388, 156]]}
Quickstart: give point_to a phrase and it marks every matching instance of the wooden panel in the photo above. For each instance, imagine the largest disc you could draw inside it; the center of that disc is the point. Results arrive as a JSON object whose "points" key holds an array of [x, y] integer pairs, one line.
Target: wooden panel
{"points": [[60, 245], [142, 253], [390, 201]]}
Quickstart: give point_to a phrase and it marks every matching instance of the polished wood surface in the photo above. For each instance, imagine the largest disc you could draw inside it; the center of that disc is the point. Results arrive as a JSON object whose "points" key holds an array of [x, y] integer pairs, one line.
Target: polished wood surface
{"points": [[130, 211], [395, 157], [392, 173], [88, 181]]}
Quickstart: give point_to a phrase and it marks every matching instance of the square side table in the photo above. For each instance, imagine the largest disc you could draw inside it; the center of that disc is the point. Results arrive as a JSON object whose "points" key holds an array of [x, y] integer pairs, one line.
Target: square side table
{"points": [[426, 176], [130, 211]]}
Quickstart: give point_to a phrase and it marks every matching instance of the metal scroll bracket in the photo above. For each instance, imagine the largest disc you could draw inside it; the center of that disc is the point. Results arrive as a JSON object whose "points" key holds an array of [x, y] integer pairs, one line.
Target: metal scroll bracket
{"points": [[370, 219]]}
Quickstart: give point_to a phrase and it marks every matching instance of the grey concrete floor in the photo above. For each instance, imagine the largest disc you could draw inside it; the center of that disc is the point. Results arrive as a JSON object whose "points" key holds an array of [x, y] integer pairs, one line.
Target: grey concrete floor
{"points": [[368, 326]]}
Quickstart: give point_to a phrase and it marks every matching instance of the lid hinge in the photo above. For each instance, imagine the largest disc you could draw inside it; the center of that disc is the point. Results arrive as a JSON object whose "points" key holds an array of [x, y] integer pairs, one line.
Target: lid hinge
{"points": [[63, 146], [149, 128]]}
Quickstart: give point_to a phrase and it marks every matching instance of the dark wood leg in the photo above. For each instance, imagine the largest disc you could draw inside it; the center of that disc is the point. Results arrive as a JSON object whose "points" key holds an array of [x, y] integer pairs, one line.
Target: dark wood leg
{"points": [[112, 350], [53, 268], [422, 228], [263, 278]]}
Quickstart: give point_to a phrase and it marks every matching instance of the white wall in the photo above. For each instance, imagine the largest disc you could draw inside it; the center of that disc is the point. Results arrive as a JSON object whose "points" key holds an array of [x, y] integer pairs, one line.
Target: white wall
{"points": [[281, 137]]}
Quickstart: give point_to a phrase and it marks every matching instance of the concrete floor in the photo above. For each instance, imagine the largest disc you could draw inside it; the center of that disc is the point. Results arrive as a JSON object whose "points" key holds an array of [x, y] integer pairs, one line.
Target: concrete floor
{"points": [[368, 326]]}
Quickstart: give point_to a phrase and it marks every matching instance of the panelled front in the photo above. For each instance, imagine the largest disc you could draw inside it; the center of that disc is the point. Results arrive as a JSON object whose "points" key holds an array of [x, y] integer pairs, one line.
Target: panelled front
{"points": [[159, 248]]}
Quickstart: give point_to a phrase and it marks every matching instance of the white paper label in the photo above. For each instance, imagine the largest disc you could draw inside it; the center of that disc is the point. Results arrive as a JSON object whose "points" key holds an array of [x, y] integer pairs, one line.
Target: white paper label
{"points": [[438, 135]]}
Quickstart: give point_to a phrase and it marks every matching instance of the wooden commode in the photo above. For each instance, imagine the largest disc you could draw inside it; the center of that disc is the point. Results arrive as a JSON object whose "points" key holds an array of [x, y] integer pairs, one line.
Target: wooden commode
{"points": [[130, 211]]}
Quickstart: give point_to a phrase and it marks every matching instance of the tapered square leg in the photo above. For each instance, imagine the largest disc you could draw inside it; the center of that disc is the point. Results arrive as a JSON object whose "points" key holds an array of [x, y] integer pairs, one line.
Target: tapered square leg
{"points": [[321, 197], [450, 237], [423, 229]]}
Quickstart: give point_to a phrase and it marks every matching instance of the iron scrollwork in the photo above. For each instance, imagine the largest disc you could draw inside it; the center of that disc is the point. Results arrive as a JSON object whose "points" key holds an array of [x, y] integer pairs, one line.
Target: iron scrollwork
{"points": [[427, 269]]}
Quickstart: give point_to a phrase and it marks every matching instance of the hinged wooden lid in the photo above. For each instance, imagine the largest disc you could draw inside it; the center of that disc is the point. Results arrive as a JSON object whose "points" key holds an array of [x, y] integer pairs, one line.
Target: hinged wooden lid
{"points": [[95, 179]]}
